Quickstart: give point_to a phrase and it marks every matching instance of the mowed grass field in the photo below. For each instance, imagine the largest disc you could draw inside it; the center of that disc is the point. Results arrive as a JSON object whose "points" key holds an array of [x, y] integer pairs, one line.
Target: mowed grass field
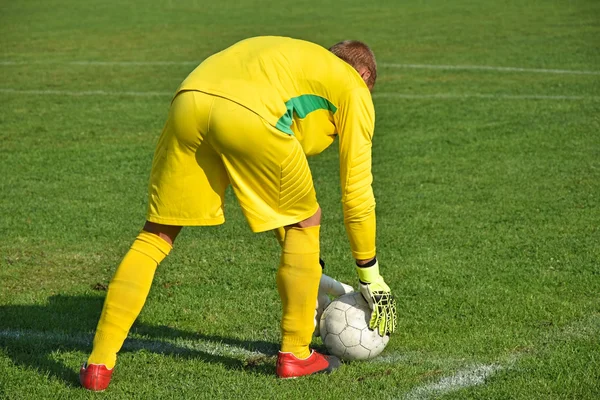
{"points": [[486, 165]]}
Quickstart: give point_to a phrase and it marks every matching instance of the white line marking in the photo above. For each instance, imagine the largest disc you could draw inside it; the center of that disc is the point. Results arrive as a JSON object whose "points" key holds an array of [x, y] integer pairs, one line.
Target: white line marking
{"points": [[453, 96], [84, 92], [418, 357], [187, 346], [173, 346], [102, 63], [490, 68], [464, 378], [382, 64], [435, 96], [134, 63]]}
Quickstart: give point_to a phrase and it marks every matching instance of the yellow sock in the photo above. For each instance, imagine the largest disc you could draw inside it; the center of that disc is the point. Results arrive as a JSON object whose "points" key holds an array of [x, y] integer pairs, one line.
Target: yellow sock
{"points": [[126, 296], [298, 284]]}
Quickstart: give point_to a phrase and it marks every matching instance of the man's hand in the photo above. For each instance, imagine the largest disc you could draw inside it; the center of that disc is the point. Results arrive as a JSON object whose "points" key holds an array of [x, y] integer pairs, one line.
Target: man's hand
{"points": [[378, 294], [328, 287]]}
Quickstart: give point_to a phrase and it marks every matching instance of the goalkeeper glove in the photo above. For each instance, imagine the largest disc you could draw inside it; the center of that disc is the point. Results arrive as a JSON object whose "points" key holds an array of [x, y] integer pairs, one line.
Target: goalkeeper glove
{"points": [[327, 287], [378, 294]]}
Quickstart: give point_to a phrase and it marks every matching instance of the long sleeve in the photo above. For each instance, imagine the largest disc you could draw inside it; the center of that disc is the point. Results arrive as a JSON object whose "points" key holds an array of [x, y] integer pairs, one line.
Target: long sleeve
{"points": [[355, 121]]}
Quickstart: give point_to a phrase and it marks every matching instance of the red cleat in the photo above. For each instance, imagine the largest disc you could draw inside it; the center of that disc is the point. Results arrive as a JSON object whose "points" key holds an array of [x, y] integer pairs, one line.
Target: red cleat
{"points": [[289, 366], [95, 377]]}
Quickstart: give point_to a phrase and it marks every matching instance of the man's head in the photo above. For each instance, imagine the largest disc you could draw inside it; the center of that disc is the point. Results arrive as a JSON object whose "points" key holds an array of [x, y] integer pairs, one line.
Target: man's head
{"points": [[360, 56]]}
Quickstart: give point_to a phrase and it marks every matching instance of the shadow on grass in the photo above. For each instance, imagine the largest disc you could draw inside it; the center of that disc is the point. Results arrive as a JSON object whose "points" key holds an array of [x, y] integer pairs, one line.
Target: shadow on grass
{"points": [[30, 334]]}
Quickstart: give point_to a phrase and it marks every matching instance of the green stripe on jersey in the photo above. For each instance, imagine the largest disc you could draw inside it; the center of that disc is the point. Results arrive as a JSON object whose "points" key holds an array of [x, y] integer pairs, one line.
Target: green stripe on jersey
{"points": [[302, 106]]}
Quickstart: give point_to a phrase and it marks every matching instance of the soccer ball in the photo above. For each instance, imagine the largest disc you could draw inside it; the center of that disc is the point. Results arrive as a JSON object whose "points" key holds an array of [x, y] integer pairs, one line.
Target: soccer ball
{"points": [[345, 329]]}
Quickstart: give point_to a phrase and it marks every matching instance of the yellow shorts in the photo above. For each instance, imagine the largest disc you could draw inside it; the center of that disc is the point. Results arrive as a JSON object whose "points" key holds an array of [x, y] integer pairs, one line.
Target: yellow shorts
{"points": [[209, 142]]}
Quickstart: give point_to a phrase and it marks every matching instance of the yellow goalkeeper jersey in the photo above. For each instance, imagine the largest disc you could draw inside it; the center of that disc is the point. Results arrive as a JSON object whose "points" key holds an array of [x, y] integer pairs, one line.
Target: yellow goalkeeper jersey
{"points": [[304, 90]]}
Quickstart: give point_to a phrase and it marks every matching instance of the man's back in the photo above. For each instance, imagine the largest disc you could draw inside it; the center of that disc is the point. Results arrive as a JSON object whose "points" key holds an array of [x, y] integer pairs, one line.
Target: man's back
{"points": [[303, 89], [278, 78]]}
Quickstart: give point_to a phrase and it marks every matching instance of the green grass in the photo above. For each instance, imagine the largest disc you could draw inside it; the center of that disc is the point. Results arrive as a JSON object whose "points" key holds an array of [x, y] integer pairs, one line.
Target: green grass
{"points": [[488, 207]]}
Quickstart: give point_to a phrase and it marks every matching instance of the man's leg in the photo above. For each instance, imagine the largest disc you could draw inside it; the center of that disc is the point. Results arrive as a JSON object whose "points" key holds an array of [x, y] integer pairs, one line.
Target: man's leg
{"points": [[125, 298], [275, 189], [298, 280], [298, 284]]}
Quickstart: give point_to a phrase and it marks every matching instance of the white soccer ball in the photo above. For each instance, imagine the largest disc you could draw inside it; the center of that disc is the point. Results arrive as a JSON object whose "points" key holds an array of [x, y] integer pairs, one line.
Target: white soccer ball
{"points": [[345, 329]]}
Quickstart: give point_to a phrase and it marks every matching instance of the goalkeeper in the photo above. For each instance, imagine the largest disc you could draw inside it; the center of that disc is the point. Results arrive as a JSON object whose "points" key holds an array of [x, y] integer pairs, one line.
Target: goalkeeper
{"points": [[248, 117]]}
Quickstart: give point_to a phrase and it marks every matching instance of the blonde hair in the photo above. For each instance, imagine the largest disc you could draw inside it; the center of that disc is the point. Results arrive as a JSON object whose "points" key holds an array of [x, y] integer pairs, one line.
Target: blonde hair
{"points": [[357, 54]]}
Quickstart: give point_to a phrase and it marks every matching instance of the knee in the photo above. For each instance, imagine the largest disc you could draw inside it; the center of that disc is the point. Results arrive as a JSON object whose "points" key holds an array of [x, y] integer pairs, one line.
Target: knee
{"points": [[313, 220], [166, 232]]}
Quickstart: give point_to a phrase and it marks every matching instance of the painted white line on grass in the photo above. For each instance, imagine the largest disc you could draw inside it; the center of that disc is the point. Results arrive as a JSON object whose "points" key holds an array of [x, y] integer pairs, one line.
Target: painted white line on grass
{"points": [[175, 346], [458, 96], [462, 379], [490, 68], [134, 63], [185, 346], [382, 64], [83, 92], [418, 357], [102, 63], [433, 96]]}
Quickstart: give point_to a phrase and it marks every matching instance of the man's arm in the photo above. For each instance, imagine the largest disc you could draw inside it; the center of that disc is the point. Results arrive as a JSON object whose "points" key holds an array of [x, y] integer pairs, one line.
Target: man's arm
{"points": [[355, 121]]}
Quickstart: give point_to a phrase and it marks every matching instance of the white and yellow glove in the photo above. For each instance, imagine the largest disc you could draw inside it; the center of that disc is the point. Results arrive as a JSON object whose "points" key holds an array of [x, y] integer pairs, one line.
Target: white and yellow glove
{"points": [[327, 287], [378, 294]]}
